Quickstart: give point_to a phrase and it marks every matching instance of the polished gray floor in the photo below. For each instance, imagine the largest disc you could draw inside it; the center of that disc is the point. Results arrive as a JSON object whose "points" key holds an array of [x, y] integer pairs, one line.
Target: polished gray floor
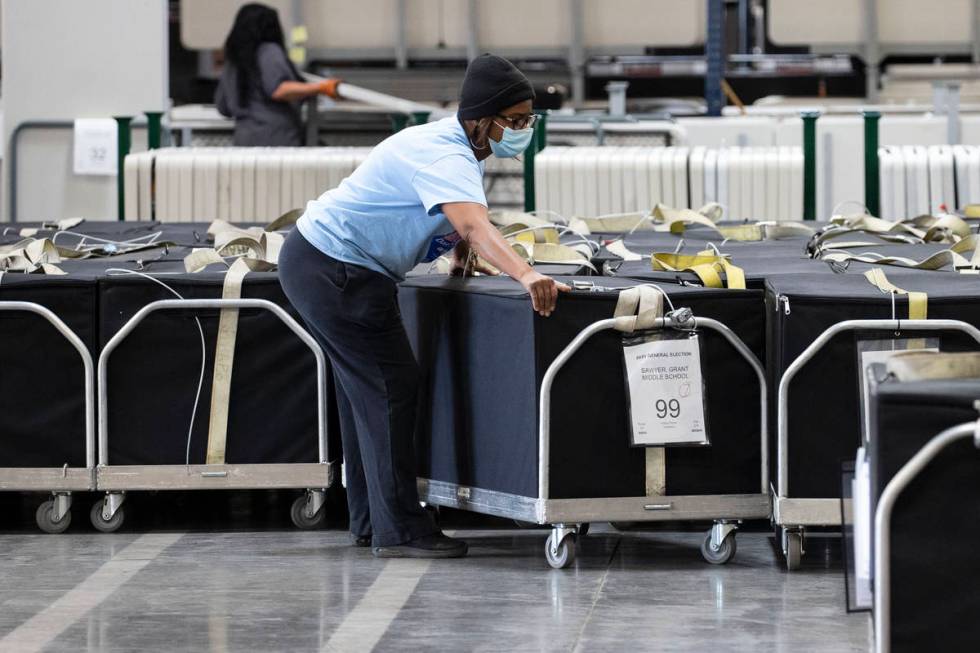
{"points": [[285, 590]]}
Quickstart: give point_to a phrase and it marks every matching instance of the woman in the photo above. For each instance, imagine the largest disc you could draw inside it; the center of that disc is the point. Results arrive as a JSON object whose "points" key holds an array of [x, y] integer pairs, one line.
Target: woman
{"points": [[259, 86], [417, 196]]}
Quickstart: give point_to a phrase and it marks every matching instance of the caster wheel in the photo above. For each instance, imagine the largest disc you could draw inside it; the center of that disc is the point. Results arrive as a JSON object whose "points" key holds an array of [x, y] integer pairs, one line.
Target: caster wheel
{"points": [[101, 524], [45, 518], [583, 530], [794, 550], [299, 517], [622, 526], [722, 554], [565, 553]]}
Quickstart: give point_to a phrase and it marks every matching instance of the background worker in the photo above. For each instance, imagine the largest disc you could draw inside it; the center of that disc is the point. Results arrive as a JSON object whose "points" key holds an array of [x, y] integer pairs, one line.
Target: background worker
{"points": [[259, 86], [418, 195]]}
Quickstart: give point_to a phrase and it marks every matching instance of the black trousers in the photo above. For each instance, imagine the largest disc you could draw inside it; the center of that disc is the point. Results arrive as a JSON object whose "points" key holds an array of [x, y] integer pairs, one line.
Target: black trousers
{"points": [[353, 313]]}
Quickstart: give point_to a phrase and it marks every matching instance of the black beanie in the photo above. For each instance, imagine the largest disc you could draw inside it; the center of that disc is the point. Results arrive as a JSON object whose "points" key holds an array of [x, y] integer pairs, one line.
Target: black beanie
{"points": [[491, 84]]}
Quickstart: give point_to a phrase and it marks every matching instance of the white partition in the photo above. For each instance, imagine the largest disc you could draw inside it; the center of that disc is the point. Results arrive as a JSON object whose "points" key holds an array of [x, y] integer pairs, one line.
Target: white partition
{"points": [[751, 183], [235, 184]]}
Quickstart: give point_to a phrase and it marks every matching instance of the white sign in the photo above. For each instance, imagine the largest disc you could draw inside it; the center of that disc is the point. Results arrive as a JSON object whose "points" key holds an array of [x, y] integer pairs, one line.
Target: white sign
{"points": [[95, 146], [666, 398], [861, 492]]}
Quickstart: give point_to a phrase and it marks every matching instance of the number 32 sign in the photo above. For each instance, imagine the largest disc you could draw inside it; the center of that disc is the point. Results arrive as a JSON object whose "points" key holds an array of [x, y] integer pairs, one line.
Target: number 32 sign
{"points": [[666, 392]]}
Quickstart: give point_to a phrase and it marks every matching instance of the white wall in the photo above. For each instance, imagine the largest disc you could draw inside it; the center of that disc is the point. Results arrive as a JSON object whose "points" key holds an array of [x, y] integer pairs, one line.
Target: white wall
{"points": [[67, 59]]}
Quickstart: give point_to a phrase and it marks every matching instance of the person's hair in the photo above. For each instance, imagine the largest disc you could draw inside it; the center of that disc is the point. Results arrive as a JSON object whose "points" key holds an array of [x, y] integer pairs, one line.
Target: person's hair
{"points": [[255, 24]]}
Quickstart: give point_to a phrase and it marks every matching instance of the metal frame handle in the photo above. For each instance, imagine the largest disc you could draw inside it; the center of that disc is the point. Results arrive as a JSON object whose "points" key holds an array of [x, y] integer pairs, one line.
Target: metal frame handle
{"points": [[544, 410], [782, 405], [883, 515], [185, 304], [76, 342]]}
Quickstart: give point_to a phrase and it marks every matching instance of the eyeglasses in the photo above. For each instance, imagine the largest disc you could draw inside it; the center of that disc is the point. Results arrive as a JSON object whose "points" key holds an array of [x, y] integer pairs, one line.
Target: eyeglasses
{"points": [[521, 122]]}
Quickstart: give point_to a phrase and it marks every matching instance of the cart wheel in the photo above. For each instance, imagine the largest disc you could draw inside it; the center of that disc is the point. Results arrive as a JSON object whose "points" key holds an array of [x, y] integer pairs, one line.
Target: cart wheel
{"points": [[623, 525], [723, 554], [103, 525], [565, 553], [794, 550], [298, 515], [45, 518], [583, 529]]}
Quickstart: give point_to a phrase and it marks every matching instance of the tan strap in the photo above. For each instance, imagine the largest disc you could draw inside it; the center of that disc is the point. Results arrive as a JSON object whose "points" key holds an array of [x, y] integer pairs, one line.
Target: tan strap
{"points": [[285, 220], [618, 247], [918, 301], [656, 471], [921, 365], [638, 308]]}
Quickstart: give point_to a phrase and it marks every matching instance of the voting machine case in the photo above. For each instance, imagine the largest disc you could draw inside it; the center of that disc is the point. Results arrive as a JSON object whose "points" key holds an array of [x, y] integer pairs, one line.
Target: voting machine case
{"points": [[821, 415], [483, 354], [151, 381], [934, 523], [48, 341]]}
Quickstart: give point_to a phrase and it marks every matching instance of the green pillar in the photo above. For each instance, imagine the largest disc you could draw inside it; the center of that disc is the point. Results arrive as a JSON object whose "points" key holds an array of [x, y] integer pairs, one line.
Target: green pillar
{"points": [[153, 122], [398, 122], [537, 144], [872, 189], [124, 141], [541, 130], [810, 164], [420, 117]]}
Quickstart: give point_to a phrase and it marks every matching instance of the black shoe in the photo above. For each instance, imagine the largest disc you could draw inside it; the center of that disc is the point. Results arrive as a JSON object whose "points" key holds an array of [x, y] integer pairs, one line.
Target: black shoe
{"points": [[436, 545], [360, 541]]}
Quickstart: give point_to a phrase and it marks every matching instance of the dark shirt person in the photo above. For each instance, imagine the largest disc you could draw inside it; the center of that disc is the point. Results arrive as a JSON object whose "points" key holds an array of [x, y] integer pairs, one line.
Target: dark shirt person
{"points": [[259, 86]]}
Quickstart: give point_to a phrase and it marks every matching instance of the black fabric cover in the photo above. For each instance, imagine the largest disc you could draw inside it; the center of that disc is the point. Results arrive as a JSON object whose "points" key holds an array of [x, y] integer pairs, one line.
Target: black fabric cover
{"points": [[824, 409], [936, 521], [482, 353], [153, 376], [42, 405]]}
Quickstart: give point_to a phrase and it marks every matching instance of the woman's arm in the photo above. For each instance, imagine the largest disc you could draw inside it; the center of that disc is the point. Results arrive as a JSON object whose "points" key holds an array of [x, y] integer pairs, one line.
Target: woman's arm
{"points": [[289, 91], [473, 224]]}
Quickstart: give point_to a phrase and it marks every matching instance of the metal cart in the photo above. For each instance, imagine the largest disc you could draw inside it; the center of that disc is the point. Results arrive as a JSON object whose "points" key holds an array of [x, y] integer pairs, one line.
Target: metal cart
{"points": [[116, 480], [882, 525], [54, 515], [792, 515], [569, 517]]}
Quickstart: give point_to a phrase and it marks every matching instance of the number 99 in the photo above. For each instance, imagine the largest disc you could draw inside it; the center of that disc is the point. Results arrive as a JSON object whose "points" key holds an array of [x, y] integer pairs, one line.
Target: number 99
{"points": [[672, 408]]}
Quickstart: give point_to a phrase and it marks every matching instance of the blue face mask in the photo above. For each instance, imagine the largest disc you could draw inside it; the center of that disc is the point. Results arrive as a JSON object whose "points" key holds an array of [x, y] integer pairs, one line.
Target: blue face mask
{"points": [[513, 142]]}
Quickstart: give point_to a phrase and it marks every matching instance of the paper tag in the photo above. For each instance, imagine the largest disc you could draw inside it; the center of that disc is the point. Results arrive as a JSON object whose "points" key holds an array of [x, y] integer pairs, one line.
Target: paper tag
{"points": [[95, 146], [666, 392], [861, 492]]}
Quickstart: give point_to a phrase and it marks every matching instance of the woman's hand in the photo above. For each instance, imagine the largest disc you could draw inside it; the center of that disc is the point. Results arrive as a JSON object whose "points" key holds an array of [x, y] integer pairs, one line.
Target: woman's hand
{"points": [[465, 263], [543, 290]]}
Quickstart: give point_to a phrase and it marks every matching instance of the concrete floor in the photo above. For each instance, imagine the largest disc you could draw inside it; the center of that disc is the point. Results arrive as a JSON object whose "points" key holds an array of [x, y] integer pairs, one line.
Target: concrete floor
{"points": [[286, 590]]}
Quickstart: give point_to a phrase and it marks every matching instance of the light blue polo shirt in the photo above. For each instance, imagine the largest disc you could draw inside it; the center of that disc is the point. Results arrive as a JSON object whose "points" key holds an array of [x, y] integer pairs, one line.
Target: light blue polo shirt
{"points": [[387, 216]]}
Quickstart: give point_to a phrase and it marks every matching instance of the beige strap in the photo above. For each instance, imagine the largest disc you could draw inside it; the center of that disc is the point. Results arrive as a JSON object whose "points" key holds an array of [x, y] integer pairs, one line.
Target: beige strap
{"points": [[618, 247], [638, 308], [614, 223], [656, 471], [551, 254], [224, 359], [510, 218], [918, 301], [920, 365], [286, 219], [201, 258]]}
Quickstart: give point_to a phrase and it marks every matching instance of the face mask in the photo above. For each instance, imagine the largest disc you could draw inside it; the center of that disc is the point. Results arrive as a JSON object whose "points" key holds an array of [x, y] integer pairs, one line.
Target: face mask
{"points": [[514, 141]]}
